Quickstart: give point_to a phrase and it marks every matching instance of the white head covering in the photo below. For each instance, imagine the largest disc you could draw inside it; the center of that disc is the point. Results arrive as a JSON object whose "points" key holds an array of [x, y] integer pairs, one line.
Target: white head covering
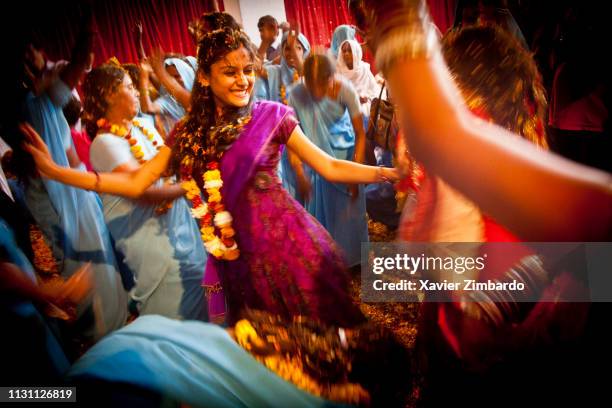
{"points": [[360, 76]]}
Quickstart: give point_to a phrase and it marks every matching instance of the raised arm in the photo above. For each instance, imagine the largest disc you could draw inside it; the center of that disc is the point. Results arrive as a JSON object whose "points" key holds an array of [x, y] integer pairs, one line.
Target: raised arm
{"points": [[131, 184], [538, 195], [182, 95], [81, 57], [146, 104], [138, 41], [334, 170]]}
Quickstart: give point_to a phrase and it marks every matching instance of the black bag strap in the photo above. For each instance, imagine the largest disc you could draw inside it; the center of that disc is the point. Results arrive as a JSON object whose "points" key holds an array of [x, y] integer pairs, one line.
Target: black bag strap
{"points": [[382, 88], [376, 114]]}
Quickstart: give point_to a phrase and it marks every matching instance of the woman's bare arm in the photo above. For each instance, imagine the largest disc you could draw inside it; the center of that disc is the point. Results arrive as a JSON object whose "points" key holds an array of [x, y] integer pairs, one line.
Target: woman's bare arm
{"points": [[537, 194], [146, 104], [182, 95], [334, 170], [131, 184], [153, 194]]}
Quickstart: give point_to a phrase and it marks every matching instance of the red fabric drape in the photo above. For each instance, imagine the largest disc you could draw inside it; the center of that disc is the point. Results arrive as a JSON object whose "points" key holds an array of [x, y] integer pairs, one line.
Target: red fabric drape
{"points": [[442, 13], [318, 18], [164, 23]]}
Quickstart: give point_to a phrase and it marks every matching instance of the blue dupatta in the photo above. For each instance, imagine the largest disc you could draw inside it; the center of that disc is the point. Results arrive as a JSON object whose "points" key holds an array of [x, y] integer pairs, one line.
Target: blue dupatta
{"points": [[72, 219], [328, 125]]}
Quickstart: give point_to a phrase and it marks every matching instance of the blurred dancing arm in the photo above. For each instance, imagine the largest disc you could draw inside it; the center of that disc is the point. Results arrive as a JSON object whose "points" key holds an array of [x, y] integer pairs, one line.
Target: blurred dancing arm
{"points": [[536, 194], [127, 184]]}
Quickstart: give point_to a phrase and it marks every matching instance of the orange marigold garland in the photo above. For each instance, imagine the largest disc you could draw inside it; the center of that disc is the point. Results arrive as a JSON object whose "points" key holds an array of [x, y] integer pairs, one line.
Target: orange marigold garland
{"points": [[214, 220], [283, 88], [211, 215], [126, 134]]}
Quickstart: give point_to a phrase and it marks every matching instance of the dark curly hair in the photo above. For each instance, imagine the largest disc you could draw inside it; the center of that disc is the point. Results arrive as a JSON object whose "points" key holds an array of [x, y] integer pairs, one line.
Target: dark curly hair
{"points": [[213, 21], [133, 71], [202, 116], [499, 77], [99, 83]]}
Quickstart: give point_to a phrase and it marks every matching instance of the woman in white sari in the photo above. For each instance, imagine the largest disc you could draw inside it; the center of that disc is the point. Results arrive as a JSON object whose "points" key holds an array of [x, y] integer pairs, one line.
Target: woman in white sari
{"points": [[351, 66]]}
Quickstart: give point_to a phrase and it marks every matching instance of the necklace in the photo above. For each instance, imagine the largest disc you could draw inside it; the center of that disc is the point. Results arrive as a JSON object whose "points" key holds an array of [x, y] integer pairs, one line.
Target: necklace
{"points": [[283, 89], [123, 132], [210, 215]]}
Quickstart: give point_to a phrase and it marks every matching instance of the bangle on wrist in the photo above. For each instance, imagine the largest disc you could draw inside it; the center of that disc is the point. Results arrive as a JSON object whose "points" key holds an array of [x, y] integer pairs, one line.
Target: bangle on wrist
{"points": [[381, 176]]}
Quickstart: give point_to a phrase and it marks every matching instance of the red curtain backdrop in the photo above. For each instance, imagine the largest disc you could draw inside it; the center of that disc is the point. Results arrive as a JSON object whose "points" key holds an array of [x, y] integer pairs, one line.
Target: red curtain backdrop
{"points": [[164, 23], [443, 13], [319, 18]]}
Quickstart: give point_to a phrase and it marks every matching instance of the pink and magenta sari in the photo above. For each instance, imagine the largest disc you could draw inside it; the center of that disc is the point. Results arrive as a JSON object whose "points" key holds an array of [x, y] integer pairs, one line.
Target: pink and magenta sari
{"points": [[289, 265]]}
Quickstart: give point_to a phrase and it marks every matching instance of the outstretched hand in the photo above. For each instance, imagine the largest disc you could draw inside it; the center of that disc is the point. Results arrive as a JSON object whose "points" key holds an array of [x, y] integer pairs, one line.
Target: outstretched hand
{"points": [[37, 148], [71, 291]]}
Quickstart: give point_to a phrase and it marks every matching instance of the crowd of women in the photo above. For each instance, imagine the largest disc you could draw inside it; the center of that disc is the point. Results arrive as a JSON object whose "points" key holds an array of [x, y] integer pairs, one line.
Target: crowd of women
{"points": [[204, 212]]}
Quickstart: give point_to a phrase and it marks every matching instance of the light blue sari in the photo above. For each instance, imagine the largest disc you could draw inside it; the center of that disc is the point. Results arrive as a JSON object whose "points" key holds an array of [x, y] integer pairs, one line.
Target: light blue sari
{"points": [[269, 90], [171, 110], [70, 218], [195, 363], [164, 252], [327, 124]]}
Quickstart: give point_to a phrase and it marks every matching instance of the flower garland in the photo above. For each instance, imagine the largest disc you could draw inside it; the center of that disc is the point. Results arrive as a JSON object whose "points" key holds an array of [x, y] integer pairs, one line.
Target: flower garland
{"points": [[135, 148], [125, 133], [211, 215], [269, 348], [283, 89]]}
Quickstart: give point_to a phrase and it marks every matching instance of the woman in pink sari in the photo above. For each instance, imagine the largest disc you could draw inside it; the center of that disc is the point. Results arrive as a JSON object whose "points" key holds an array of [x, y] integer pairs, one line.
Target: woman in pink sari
{"points": [[267, 252]]}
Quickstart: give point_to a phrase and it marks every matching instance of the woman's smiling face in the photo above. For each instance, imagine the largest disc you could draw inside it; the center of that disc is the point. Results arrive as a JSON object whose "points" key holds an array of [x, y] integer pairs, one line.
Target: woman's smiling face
{"points": [[231, 79]]}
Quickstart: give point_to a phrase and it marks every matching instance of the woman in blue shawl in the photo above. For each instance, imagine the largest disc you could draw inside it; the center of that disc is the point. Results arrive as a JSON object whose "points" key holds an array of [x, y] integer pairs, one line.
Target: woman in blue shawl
{"points": [[328, 110], [341, 34], [177, 77], [163, 250], [262, 361], [275, 81], [71, 219]]}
